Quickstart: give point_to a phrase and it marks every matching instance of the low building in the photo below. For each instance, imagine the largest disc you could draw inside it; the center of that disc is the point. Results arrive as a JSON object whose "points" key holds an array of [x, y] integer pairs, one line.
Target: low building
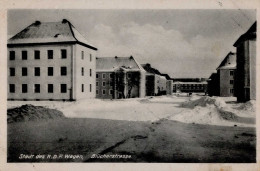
{"points": [[50, 61], [190, 87], [225, 72], [245, 78], [119, 77], [169, 84]]}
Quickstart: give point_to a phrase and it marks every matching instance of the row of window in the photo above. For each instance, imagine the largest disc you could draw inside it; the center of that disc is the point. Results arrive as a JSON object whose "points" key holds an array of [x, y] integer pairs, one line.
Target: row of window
{"points": [[49, 54], [83, 71], [104, 92], [37, 88], [104, 83], [37, 54], [104, 75], [37, 71]]}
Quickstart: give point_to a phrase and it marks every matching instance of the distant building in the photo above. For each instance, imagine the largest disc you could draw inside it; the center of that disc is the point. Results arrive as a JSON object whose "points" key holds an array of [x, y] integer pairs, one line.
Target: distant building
{"points": [[155, 82], [50, 61], [190, 87], [169, 84], [245, 78], [119, 77], [225, 72]]}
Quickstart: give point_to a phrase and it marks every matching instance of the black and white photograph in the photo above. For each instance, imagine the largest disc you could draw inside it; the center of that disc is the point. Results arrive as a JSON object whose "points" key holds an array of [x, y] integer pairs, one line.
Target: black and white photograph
{"points": [[131, 85]]}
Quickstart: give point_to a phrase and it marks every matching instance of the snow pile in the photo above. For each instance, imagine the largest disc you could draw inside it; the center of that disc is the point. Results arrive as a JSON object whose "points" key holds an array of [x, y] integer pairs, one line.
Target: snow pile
{"points": [[30, 112], [248, 106], [204, 101]]}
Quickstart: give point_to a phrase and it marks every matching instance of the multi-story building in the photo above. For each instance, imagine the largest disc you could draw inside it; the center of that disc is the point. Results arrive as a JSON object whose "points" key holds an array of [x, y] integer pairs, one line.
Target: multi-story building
{"points": [[155, 82], [50, 61], [190, 85], [225, 72], [245, 78], [119, 77]]}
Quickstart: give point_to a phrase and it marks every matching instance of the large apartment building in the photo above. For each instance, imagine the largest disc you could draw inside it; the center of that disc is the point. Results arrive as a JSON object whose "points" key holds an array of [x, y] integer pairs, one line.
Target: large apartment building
{"points": [[51, 61]]}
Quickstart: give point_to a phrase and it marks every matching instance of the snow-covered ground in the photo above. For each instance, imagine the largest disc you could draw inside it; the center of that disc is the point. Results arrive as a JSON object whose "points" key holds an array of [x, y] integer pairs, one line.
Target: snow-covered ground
{"points": [[196, 109]]}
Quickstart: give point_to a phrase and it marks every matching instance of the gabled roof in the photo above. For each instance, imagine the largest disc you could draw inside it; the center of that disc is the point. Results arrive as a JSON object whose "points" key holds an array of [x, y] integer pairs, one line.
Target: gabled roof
{"points": [[114, 63], [49, 32], [147, 67], [166, 76], [250, 34], [229, 62]]}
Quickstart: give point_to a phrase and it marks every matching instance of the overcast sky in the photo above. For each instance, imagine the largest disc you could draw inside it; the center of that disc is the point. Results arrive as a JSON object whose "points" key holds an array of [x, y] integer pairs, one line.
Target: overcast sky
{"points": [[181, 43]]}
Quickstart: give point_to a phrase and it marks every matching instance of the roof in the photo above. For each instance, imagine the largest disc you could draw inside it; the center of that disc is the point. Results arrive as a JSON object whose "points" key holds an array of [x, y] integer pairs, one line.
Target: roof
{"points": [[113, 63], [147, 67], [49, 32], [166, 76], [250, 34], [229, 62]]}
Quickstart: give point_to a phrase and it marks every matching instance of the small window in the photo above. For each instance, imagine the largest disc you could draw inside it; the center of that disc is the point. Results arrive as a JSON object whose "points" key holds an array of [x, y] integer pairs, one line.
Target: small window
{"points": [[90, 57], [110, 75], [82, 71], [24, 55], [24, 71], [12, 55], [12, 71], [103, 75], [232, 91], [37, 88], [96, 83], [63, 88], [232, 82], [96, 91], [82, 87], [50, 88], [110, 92], [63, 53], [11, 88], [104, 92], [231, 73], [90, 87], [36, 54], [90, 72], [104, 83], [82, 55], [97, 75], [24, 88], [50, 71], [37, 71], [63, 71], [50, 54]]}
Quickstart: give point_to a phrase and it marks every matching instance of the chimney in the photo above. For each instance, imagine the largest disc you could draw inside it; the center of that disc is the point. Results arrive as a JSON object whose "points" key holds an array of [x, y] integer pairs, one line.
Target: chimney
{"points": [[37, 23]]}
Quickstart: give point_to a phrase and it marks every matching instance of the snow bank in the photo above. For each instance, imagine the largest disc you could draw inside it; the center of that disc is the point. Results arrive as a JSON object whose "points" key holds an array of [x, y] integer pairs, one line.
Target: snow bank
{"points": [[248, 106], [204, 101]]}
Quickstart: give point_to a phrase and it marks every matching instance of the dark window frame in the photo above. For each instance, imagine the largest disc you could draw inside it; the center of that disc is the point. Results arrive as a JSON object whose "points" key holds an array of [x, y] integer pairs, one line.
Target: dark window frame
{"points": [[37, 72], [11, 55], [24, 55], [63, 88], [37, 55], [37, 88], [50, 88], [50, 54], [24, 88], [24, 71], [63, 53], [63, 71]]}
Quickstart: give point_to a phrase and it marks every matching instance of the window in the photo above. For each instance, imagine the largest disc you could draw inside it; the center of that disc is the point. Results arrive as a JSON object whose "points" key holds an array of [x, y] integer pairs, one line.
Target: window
{"points": [[96, 91], [97, 75], [11, 88], [82, 71], [90, 88], [82, 87], [63, 53], [63, 88], [231, 81], [63, 71], [37, 88], [12, 71], [24, 71], [104, 83], [12, 55], [110, 75], [37, 71], [110, 92], [36, 54], [103, 75], [50, 54], [24, 88], [231, 90], [50, 71], [82, 55], [90, 57], [24, 55], [231, 73], [104, 91], [111, 83], [96, 83], [90, 72], [50, 88]]}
